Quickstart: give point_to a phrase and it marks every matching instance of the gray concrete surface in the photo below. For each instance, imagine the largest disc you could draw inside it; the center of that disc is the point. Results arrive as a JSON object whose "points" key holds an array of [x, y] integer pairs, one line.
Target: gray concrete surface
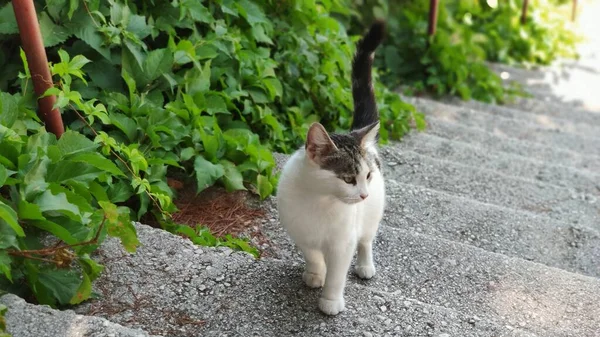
{"points": [[506, 163], [512, 127], [496, 188], [28, 320], [562, 124], [498, 142]]}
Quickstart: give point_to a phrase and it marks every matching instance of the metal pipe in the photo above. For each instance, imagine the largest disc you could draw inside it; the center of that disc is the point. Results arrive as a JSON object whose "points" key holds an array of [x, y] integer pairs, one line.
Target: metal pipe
{"points": [[524, 12], [33, 45], [433, 16]]}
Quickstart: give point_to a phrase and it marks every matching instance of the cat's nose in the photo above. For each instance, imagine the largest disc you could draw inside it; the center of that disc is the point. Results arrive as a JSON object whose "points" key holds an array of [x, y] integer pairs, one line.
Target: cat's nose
{"points": [[364, 196]]}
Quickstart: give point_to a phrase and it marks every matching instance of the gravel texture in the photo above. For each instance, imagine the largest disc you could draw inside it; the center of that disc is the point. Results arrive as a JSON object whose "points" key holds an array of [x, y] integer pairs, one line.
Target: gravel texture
{"points": [[502, 162], [556, 109], [565, 125], [512, 128], [498, 229], [498, 142], [495, 188], [28, 320], [234, 295]]}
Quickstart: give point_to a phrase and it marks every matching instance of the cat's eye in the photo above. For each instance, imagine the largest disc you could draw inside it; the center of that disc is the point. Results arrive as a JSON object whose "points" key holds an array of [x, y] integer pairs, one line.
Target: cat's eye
{"points": [[369, 176], [350, 180]]}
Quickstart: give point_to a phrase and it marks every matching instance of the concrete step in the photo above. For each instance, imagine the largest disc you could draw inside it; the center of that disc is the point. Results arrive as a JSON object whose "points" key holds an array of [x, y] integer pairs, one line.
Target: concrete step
{"points": [[498, 229], [566, 82], [503, 162], [492, 187], [225, 293], [556, 109], [495, 142], [28, 320], [567, 125], [508, 291], [425, 287], [510, 128]]}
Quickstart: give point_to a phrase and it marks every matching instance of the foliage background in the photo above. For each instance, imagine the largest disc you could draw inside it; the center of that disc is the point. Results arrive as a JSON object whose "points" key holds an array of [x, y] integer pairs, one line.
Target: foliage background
{"points": [[150, 89], [469, 33]]}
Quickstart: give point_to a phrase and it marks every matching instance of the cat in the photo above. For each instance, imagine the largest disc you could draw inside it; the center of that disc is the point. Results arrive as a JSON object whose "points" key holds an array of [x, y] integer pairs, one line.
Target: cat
{"points": [[331, 192]]}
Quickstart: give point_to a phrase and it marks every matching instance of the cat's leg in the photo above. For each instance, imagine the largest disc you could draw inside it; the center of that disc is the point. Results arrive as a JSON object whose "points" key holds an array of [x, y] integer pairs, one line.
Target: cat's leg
{"points": [[337, 259], [314, 272], [365, 268]]}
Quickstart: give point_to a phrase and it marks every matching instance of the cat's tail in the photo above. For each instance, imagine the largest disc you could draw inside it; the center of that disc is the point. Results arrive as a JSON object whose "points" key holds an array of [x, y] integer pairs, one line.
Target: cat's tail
{"points": [[365, 107]]}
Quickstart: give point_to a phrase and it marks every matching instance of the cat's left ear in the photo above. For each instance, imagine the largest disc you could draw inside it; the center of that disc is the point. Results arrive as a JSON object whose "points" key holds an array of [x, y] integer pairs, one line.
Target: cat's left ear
{"points": [[368, 135]]}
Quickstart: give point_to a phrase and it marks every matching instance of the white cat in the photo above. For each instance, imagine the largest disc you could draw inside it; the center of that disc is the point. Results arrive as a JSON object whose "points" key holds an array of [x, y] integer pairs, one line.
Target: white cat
{"points": [[331, 192]]}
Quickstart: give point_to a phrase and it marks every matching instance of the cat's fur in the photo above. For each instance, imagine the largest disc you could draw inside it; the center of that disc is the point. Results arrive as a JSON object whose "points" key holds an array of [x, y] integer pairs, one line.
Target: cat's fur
{"points": [[331, 192]]}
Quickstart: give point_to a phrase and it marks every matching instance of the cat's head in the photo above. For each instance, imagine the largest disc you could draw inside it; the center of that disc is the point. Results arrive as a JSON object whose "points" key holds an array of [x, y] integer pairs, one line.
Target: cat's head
{"points": [[346, 162]]}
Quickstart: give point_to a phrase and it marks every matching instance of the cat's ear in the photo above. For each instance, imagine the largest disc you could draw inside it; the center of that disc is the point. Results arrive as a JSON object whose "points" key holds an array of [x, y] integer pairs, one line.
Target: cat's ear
{"points": [[367, 136], [318, 143]]}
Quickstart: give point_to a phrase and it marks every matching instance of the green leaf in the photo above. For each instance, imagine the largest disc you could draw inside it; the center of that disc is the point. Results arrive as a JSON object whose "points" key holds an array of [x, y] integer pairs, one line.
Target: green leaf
{"points": [[52, 34], [158, 62], [90, 267], [98, 161], [228, 7], [98, 191], [88, 33], [207, 173], [78, 62], [265, 188], [197, 11], [72, 142], [138, 26], [34, 179], [125, 124], [66, 170], [186, 153], [49, 202], [232, 178], [119, 225], [62, 284], [29, 211], [8, 22], [9, 216], [274, 87], [3, 175], [8, 109], [83, 292], [73, 5], [251, 12], [215, 104], [8, 237], [5, 264]]}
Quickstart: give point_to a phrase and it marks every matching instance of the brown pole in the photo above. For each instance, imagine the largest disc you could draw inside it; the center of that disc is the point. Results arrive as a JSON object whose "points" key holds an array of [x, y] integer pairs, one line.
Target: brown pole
{"points": [[574, 14], [433, 15], [524, 13], [31, 40]]}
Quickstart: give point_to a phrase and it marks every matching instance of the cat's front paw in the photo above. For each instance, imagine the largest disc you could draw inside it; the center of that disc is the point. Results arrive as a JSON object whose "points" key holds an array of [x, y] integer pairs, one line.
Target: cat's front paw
{"points": [[365, 272], [313, 280], [332, 307]]}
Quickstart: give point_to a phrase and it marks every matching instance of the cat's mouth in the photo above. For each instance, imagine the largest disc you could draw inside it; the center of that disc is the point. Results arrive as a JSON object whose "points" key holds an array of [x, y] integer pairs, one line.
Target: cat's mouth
{"points": [[350, 200]]}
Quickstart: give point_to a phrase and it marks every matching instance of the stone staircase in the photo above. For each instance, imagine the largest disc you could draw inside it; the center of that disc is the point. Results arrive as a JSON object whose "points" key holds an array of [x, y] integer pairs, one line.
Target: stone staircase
{"points": [[492, 229]]}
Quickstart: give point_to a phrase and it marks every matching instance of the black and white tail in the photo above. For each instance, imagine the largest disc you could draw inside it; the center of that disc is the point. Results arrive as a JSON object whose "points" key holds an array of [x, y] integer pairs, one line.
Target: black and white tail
{"points": [[365, 107]]}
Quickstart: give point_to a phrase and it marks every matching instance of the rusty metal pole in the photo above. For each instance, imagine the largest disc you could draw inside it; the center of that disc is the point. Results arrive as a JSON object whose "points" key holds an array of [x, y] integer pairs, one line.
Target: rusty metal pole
{"points": [[433, 16], [574, 14], [524, 13], [31, 40]]}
